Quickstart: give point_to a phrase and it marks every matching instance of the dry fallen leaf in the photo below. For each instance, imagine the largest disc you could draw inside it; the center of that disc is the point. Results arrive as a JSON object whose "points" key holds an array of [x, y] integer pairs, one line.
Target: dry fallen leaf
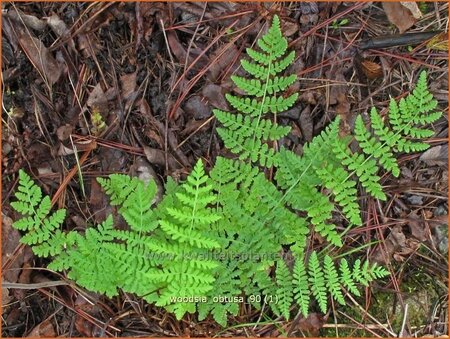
{"points": [[28, 20], [63, 132], [128, 83], [417, 227], [176, 47], [371, 69], [41, 58], [395, 240], [436, 156], [57, 25], [97, 97], [223, 62], [197, 108], [43, 330], [413, 8], [145, 172], [306, 123], [10, 240], [215, 96], [399, 15], [311, 324]]}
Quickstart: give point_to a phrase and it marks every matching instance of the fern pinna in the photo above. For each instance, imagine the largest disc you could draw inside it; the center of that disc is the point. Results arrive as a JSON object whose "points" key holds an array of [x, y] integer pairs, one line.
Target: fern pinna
{"points": [[218, 237]]}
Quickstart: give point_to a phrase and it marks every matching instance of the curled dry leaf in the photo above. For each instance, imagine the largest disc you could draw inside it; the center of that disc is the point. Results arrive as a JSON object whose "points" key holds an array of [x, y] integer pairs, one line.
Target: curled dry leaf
{"points": [[193, 126], [129, 93], [145, 172], [97, 97], [399, 15], [177, 49], [290, 28], [41, 58], [157, 157], [395, 240], [371, 69], [10, 240], [306, 124], [128, 83]]}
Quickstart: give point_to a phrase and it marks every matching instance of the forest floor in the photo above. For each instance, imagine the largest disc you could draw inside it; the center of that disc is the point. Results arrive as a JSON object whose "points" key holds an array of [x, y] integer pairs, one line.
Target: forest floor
{"points": [[111, 87]]}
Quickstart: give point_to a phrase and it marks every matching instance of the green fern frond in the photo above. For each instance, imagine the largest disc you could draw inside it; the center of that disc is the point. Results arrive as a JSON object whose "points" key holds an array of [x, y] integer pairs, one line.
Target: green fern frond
{"points": [[319, 212], [260, 70], [301, 287], [28, 195], [365, 169], [247, 134], [186, 225], [317, 282], [347, 279], [378, 272], [118, 187], [405, 118], [332, 280], [358, 273], [245, 127], [323, 280], [136, 209], [344, 190], [284, 288], [55, 245], [221, 235], [254, 107], [43, 228], [371, 146], [36, 218]]}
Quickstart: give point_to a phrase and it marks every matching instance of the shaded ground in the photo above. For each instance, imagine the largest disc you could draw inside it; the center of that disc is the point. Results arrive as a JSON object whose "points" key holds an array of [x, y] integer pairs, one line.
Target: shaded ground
{"points": [[130, 87]]}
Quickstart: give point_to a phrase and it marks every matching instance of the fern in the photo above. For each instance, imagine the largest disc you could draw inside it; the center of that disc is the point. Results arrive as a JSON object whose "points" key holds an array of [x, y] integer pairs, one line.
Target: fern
{"points": [[248, 132], [332, 278], [36, 218], [217, 237]]}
